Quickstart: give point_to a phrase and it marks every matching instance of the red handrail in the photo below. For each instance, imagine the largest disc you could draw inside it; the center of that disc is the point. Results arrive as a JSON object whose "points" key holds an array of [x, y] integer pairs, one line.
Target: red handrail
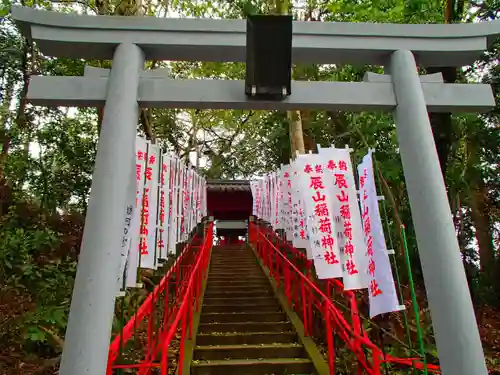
{"points": [[190, 270], [280, 267]]}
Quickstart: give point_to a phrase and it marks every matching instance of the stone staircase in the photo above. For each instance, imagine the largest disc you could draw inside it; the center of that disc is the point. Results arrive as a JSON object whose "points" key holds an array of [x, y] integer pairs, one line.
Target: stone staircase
{"points": [[243, 330]]}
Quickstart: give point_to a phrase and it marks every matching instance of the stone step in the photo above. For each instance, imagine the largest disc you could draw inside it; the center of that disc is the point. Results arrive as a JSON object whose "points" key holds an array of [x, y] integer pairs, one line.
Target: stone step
{"points": [[243, 317], [276, 366], [238, 294], [233, 258], [230, 267], [253, 266], [210, 352], [238, 274], [231, 300], [238, 288], [246, 327], [247, 307], [248, 338], [252, 289], [237, 281], [243, 330], [236, 278], [235, 264]]}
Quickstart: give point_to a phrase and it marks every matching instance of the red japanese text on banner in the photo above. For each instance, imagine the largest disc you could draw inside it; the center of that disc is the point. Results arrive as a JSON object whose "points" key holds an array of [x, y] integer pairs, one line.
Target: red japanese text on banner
{"points": [[174, 187], [186, 199], [286, 199], [163, 212], [317, 206], [289, 191], [140, 169], [276, 222], [267, 198], [278, 201], [260, 192], [180, 206], [194, 195], [148, 249], [340, 181], [301, 235], [382, 291]]}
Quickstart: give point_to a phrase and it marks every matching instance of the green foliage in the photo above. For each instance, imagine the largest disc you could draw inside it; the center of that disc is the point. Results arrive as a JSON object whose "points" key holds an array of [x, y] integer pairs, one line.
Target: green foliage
{"points": [[42, 280]]}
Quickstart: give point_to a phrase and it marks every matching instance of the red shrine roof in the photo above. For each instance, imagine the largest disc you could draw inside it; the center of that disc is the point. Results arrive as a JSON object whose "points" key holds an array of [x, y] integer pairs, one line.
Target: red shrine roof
{"points": [[228, 185]]}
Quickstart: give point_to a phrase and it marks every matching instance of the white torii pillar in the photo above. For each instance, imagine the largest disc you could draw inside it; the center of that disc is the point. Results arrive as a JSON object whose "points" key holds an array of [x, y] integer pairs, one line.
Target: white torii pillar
{"points": [[86, 344]]}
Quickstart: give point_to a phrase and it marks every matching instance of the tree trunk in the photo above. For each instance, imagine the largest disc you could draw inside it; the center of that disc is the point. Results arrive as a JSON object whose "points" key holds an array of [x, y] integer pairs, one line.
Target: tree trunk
{"points": [[294, 117], [309, 144], [21, 120], [482, 223], [296, 134], [441, 123], [4, 131]]}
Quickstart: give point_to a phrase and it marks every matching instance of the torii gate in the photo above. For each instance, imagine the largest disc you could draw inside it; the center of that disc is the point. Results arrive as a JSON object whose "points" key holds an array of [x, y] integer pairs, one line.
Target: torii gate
{"points": [[131, 40]]}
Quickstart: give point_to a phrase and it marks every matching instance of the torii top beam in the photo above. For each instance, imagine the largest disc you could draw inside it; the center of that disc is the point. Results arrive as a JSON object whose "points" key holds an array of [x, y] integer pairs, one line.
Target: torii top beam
{"points": [[91, 37]]}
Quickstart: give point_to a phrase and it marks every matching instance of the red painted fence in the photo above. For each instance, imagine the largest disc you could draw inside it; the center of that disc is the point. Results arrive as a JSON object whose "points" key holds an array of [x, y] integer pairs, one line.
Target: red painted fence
{"points": [[154, 337], [316, 306]]}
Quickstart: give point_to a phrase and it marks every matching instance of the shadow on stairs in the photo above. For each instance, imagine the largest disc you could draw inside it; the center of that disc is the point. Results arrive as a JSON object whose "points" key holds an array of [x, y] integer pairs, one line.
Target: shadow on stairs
{"points": [[243, 329]]}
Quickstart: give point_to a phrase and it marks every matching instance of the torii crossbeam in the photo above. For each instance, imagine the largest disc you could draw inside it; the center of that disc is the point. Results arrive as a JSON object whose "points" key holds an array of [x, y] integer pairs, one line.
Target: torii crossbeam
{"points": [[129, 41]]}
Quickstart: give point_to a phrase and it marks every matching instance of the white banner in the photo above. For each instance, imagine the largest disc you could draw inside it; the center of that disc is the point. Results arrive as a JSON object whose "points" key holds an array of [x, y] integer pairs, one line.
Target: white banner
{"points": [[204, 199], [283, 197], [189, 203], [260, 199], [287, 170], [340, 180], [194, 201], [185, 205], [149, 206], [276, 223], [126, 241], [180, 201], [141, 149], [173, 194], [254, 187], [317, 203], [279, 201], [162, 232], [152, 223], [382, 291], [265, 198], [301, 235]]}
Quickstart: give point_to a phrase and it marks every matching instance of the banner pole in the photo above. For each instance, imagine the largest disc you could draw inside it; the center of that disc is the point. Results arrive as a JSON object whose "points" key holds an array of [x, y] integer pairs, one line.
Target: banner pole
{"points": [[414, 300]]}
